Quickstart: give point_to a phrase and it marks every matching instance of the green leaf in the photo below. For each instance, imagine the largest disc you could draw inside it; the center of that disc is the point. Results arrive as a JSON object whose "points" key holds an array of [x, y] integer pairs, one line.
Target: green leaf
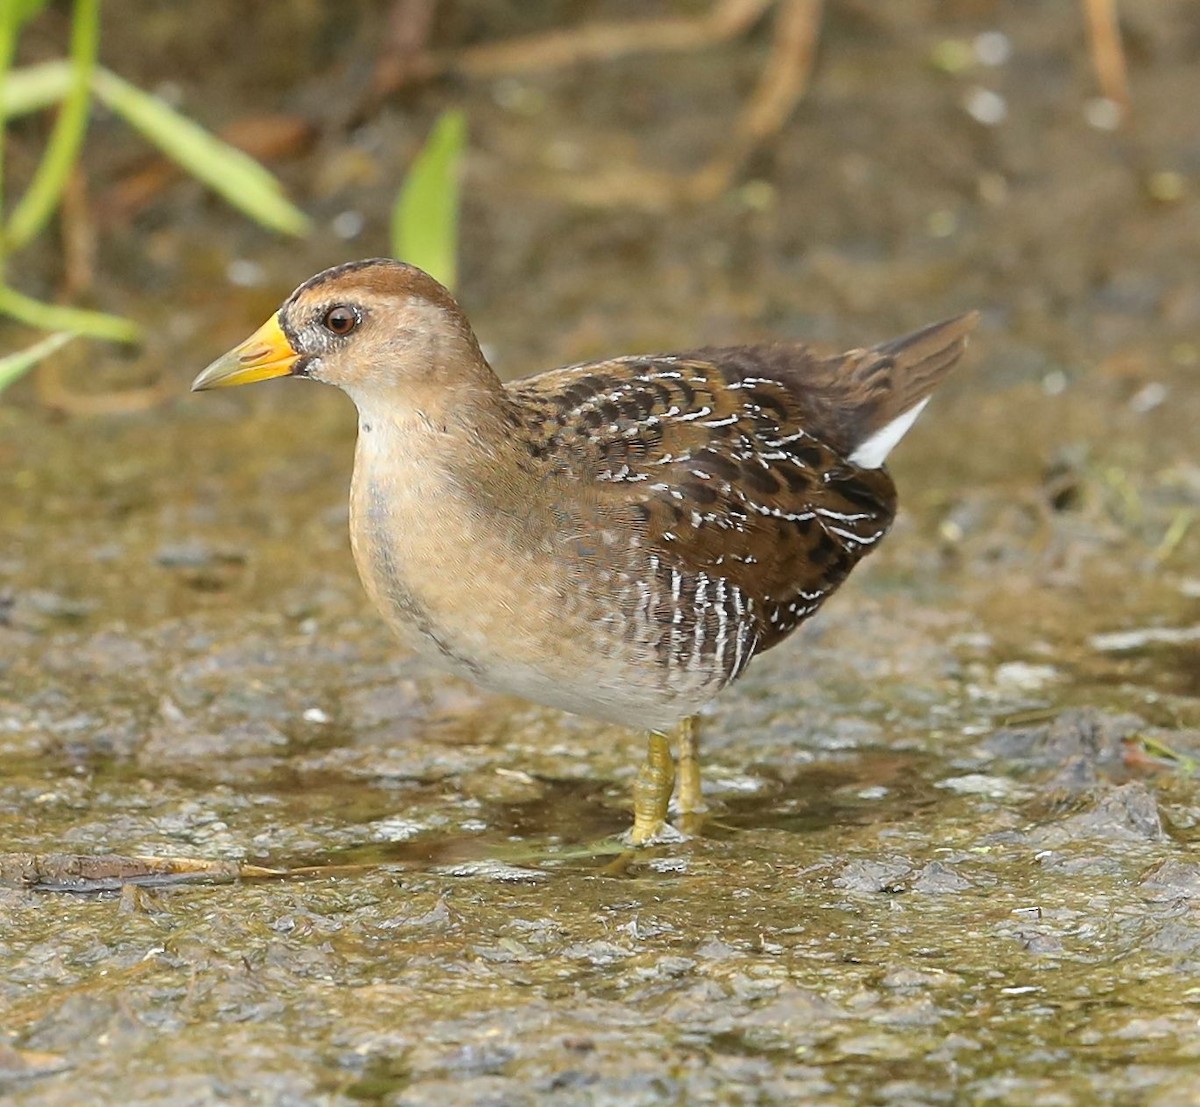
{"points": [[237, 177], [33, 87], [62, 151], [55, 317], [15, 366], [24, 10], [425, 215]]}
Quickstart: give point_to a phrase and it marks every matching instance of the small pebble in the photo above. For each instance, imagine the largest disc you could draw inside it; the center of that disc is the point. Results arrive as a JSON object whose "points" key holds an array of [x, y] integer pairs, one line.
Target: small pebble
{"points": [[942, 223], [185, 555], [1122, 640], [992, 48], [985, 106], [1055, 382], [1024, 677], [243, 273], [1185, 354], [978, 784], [1103, 114], [348, 224], [1148, 397], [1166, 186], [953, 55]]}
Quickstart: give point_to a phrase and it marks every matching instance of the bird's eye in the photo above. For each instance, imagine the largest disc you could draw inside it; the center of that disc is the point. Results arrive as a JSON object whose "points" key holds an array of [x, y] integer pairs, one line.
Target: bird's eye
{"points": [[340, 320]]}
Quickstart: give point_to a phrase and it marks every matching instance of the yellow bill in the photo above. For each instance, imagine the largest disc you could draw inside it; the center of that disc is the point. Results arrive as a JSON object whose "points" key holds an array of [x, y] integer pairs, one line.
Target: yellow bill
{"points": [[265, 354]]}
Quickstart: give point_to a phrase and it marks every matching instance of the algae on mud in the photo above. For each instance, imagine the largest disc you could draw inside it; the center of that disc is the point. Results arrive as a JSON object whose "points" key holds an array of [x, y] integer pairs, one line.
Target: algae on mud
{"points": [[902, 899]]}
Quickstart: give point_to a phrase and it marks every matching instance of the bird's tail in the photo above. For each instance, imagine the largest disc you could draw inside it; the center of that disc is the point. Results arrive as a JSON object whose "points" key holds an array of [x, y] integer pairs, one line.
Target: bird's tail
{"points": [[893, 382]]}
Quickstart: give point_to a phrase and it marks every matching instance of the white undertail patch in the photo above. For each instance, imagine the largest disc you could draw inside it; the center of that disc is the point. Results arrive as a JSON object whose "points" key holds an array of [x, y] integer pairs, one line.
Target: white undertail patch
{"points": [[872, 453]]}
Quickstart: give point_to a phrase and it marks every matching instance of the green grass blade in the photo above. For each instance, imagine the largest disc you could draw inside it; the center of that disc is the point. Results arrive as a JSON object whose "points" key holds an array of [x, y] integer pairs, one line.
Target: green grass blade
{"points": [[41, 199], [425, 215], [15, 366], [25, 10], [55, 317], [235, 176], [33, 87], [8, 48]]}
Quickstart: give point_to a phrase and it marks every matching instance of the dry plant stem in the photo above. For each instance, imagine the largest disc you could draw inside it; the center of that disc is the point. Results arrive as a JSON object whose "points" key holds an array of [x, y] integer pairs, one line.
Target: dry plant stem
{"points": [[605, 41], [1108, 55], [56, 395], [79, 255], [405, 58], [404, 63], [782, 85], [71, 872]]}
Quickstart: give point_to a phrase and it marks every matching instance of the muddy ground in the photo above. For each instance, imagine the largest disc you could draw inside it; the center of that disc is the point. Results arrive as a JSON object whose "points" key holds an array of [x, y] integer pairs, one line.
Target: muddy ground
{"points": [[952, 850]]}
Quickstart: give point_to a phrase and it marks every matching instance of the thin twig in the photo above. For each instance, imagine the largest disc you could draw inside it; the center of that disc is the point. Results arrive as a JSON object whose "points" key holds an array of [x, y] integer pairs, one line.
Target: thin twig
{"points": [[782, 85], [605, 41], [1108, 55]]}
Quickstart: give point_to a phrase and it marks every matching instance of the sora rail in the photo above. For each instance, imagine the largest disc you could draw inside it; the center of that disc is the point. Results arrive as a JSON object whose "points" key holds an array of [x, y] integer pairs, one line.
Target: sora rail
{"points": [[617, 539]]}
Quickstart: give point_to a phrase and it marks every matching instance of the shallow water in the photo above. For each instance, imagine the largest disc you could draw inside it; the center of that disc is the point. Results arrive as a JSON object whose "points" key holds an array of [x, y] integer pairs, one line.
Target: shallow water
{"points": [[950, 856]]}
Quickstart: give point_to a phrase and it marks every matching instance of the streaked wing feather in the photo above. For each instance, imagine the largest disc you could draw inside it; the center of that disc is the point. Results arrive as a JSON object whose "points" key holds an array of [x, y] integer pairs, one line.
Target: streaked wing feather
{"points": [[721, 465]]}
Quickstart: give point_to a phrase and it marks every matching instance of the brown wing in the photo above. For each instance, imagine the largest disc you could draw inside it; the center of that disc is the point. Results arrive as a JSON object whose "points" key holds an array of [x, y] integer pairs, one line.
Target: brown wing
{"points": [[729, 471], [745, 512]]}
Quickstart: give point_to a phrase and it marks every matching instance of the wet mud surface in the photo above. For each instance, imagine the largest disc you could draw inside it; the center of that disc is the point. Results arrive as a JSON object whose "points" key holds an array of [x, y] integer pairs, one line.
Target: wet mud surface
{"points": [[951, 852]]}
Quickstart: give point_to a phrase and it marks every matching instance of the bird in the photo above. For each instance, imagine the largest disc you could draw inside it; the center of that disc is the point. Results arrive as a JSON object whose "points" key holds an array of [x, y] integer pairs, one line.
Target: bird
{"points": [[618, 539]]}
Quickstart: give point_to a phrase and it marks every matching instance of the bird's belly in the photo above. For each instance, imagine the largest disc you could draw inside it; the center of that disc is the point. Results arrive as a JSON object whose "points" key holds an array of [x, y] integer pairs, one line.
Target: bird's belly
{"points": [[514, 625]]}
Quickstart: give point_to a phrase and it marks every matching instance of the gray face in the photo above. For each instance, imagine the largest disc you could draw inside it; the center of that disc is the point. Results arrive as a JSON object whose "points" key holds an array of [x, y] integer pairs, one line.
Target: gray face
{"points": [[322, 333]]}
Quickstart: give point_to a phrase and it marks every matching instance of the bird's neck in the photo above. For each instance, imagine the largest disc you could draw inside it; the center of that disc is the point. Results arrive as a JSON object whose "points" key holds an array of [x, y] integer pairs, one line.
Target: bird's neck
{"points": [[435, 502], [457, 453]]}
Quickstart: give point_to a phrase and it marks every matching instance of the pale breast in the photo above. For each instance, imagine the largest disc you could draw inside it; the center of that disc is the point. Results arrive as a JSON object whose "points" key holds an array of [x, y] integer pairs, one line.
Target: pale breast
{"points": [[602, 635]]}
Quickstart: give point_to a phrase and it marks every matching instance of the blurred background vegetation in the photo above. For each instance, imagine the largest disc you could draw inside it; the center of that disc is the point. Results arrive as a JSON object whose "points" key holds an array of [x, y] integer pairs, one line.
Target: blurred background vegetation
{"points": [[632, 176], [388, 56], [598, 176], [424, 223]]}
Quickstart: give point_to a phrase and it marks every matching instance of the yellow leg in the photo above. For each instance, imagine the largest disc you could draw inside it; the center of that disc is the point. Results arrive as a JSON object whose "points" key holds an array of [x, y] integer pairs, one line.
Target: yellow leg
{"points": [[690, 801], [652, 792]]}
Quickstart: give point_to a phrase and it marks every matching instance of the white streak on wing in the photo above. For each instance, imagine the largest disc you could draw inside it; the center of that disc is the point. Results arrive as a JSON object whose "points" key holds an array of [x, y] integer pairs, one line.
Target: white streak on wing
{"points": [[722, 626], [872, 453], [649, 597], [742, 632], [701, 621], [841, 516], [856, 539], [750, 382], [674, 647]]}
